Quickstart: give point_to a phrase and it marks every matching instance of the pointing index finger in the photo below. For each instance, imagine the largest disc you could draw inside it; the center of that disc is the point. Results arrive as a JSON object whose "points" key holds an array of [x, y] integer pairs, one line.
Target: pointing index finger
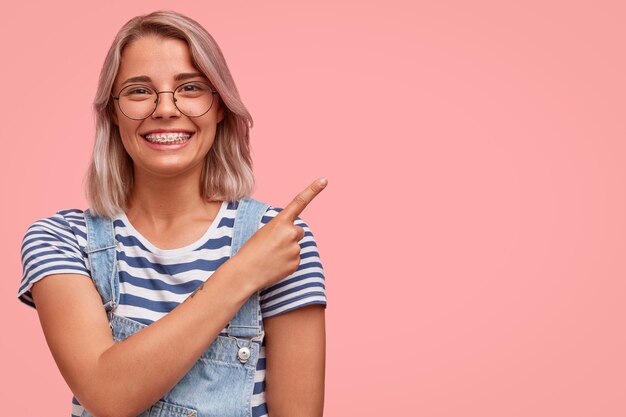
{"points": [[303, 199]]}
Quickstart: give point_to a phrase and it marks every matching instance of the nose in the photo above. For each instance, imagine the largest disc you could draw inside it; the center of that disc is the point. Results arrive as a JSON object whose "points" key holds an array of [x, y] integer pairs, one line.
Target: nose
{"points": [[165, 107]]}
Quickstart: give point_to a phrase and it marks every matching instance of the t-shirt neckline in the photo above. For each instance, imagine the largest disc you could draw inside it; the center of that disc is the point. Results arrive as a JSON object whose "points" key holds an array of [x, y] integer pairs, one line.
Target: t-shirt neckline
{"points": [[177, 251]]}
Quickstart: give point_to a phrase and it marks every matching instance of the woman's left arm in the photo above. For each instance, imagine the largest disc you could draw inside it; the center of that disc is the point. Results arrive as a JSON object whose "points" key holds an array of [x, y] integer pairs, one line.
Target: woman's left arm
{"points": [[295, 351]]}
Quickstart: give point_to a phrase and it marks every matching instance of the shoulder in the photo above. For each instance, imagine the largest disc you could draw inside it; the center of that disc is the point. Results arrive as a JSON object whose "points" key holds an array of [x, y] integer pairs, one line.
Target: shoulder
{"points": [[272, 211], [64, 227], [303, 287], [62, 233], [67, 217], [52, 245]]}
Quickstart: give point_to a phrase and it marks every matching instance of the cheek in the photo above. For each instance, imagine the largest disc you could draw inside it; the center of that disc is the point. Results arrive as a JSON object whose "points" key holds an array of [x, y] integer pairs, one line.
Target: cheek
{"points": [[128, 131], [208, 136], [130, 140]]}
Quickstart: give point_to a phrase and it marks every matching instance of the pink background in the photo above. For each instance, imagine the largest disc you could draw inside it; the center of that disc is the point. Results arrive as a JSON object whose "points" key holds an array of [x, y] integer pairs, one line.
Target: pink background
{"points": [[473, 231]]}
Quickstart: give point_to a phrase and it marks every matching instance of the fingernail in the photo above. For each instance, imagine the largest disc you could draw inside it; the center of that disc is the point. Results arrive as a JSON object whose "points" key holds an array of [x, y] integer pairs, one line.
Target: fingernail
{"points": [[323, 181]]}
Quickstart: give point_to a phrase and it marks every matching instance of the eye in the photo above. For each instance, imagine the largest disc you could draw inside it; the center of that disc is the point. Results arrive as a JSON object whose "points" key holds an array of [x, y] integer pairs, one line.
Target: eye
{"points": [[193, 90], [190, 87], [194, 87], [138, 91]]}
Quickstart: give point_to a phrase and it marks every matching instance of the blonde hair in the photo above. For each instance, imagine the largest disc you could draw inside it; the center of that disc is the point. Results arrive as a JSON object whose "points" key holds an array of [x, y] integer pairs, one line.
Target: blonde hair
{"points": [[227, 172]]}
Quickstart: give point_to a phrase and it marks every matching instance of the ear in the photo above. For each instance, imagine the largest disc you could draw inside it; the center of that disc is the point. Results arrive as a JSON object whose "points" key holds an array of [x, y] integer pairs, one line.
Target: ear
{"points": [[115, 122]]}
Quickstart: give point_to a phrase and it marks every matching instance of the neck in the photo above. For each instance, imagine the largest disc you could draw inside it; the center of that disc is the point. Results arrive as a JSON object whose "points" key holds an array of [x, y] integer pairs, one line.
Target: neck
{"points": [[164, 201]]}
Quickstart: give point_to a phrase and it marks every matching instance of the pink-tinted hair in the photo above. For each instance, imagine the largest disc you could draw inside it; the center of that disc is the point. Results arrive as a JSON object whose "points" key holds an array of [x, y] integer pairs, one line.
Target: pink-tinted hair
{"points": [[227, 173]]}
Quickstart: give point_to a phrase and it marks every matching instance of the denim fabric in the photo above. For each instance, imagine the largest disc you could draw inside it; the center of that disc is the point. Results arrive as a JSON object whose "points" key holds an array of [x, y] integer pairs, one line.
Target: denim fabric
{"points": [[221, 382]]}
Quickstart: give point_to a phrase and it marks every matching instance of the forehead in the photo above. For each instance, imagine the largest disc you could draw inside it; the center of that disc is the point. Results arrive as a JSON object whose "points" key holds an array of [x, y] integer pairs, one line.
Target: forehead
{"points": [[156, 57]]}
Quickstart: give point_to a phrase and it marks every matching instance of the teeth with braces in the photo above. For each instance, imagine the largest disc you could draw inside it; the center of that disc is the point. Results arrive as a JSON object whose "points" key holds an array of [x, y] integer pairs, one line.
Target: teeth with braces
{"points": [[174, 138]]}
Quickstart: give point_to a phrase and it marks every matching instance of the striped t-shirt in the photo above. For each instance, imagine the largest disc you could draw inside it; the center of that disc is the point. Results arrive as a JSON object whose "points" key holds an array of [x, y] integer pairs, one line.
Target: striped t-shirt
{"points": [[154, 281]]}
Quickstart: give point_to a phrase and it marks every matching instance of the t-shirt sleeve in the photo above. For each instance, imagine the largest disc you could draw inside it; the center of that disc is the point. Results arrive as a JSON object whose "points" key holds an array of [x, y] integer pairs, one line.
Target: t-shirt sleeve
{"points": [[49, 247], [303, 287]]}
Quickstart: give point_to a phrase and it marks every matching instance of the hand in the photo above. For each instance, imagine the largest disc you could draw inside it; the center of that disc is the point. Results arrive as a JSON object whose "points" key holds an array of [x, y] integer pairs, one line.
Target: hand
{"points": [[273, 252]]}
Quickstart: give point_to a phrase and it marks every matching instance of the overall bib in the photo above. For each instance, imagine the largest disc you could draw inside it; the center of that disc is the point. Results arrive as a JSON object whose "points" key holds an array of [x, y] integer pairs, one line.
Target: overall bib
{"points": [[221, 382]]}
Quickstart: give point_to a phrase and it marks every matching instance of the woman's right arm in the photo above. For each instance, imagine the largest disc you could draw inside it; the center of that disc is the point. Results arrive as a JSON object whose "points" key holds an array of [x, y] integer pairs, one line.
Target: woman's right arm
{"points": [[125, 378]]}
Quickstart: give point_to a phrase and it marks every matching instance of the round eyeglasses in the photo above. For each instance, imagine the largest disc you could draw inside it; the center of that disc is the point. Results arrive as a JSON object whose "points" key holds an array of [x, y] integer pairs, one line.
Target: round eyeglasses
{"points": [[139, 101]]}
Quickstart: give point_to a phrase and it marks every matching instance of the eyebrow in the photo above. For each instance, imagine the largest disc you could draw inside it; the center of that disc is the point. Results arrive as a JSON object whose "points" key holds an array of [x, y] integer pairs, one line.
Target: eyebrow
{"points": [[178, 77]]}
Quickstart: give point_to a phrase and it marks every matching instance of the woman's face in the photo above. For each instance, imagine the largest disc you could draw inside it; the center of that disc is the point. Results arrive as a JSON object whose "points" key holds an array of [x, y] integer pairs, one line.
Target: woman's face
{"points": [[161, 60]]}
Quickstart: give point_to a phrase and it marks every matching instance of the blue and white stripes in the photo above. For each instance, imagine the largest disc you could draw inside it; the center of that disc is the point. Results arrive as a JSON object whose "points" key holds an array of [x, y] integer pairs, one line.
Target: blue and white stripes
{"points": [[154, 281]]}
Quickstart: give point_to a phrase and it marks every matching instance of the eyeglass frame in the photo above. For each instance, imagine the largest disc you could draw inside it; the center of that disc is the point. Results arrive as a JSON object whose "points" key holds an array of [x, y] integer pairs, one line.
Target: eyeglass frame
{"points": [[157, 101]]}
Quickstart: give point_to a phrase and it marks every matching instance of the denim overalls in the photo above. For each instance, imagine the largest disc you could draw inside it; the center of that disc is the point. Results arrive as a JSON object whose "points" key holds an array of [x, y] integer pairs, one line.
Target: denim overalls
{"points": [[221, 382]]}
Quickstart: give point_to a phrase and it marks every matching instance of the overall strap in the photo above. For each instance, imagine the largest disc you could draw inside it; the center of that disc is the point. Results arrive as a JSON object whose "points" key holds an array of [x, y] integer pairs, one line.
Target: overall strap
{"points": [[247, 221], [102, 257]]}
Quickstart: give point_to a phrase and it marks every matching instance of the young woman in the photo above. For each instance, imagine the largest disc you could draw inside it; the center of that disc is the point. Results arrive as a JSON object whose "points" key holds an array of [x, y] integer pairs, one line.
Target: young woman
{"points": [[198, 301]]}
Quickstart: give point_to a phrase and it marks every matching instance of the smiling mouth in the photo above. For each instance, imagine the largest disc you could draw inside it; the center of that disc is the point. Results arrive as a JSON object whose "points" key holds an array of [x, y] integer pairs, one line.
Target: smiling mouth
{"points": [[168, 138]]}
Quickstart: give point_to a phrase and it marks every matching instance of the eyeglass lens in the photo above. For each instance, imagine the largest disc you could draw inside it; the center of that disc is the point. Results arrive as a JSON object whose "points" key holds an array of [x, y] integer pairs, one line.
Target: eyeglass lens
{"points": [[192, 99]]}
